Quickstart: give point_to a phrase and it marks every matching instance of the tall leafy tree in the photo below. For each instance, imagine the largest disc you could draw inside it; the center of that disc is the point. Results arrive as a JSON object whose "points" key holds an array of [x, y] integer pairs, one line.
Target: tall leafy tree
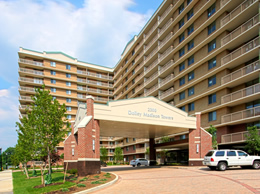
{"points": [[165, 139], [103, 154], [253, 140], [118, 154], [213, 131]]}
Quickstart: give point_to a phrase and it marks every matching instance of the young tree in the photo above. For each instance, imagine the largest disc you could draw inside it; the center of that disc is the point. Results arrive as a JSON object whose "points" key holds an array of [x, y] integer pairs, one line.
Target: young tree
{"points": [[103, 154], [147, 152], [118, 154], [165, 139], [213, 131], [253, 140]]}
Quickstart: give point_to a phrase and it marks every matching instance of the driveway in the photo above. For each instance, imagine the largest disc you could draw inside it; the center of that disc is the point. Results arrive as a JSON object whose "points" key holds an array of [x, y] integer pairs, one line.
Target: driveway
{"points": [[184, 180]]}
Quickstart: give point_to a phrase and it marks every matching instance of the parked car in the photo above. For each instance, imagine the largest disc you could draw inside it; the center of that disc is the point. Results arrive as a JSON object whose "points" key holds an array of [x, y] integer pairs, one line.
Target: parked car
{"points": [[139, 162], [221, 159], [103, 164]]}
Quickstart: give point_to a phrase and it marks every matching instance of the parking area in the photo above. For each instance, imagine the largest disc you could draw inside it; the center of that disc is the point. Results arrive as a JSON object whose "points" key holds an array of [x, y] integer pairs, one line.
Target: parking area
{"points": [[182, 180]]}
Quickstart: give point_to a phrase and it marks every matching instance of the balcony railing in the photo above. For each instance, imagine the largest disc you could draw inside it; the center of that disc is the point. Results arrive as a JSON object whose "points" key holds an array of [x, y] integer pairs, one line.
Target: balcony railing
{"points": [[166, 66], [151, 66], [24, 107], [31, 80], [140, 150], [244, 27], [151, 30], [165, 53], [241, 94], [236, 11], [99, 83], [151, 42], [151, 90], [101, 99], [81, 96], [97, 91], [165, 13], [166, 93], [165, 27], [223, 2], [240, 51], [81, 80], [151, 54], [166, 80], [151, 78], [99, 75], [241, 72], [165, 40], [81, 88], [138, 88], [81, 72], [245, 114], [28, 98], [235, 137], [27, 89], [30, 62], [30, 71]]}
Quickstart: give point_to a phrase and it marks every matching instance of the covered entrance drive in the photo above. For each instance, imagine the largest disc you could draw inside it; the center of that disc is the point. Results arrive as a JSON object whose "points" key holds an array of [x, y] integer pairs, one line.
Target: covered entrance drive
{"points": [[138, 118]]}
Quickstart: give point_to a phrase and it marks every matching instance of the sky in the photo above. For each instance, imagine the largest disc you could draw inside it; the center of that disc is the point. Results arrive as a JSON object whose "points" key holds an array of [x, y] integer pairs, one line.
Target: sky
{"points": [[94, 31]]}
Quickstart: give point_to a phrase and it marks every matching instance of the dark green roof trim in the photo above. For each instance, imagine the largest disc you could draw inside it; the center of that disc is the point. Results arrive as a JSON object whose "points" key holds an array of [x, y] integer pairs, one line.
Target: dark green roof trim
{"points": [[128, 44], [31, 50]]}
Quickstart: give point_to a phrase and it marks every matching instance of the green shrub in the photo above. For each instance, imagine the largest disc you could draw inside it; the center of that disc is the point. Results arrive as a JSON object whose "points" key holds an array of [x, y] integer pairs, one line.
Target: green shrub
{"points": [[84, 179], [65, 189], [96, 182], [73, 179], [97, 177], [103, 180], [81, 185], [72, 171]]}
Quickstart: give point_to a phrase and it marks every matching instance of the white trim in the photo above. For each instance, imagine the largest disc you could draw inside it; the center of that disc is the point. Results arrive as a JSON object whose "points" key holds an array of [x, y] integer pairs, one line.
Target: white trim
{"points": [[70, 160], [197, 142], [73, 146], [197, 137], [196, 159], [88, 159], [90, 97], [206, 131], [197, 113]]}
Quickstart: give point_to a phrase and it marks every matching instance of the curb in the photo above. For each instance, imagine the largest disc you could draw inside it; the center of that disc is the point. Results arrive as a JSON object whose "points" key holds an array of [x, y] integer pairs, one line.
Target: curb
{"points": [[100, 186], [184, 167]]}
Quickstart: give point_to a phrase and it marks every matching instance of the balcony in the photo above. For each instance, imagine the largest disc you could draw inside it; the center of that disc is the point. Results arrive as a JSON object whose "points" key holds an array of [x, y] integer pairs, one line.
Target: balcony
{"points": [[165, 13], [249, 91], [97, 91], [244, 27], [240, 51], [140, 150], [82, 96], [223, 2], [151, 54], [166, 93], [99, 83], [151, 31], [30, 80], [239, 117], [151, 78], [29, 71], [81, 88], [26, 89], [100, 99], [166, 80], [24, 107], [165, 27], [81, 72], [235, 137], [237, 11], [165, 40], [30, 62], [151, 90], [241, 72], [151, 43], [22, 115], [81, 80], [150, 67], [97, 75], [25, 98], [166, 53], [166, 67]]}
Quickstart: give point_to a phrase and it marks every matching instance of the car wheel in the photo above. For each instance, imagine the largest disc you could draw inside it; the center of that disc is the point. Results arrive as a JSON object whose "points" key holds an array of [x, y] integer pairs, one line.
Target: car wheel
{"points": [[212, 167], [222, 166], [133, 165], [138, 164], [256, 165]]}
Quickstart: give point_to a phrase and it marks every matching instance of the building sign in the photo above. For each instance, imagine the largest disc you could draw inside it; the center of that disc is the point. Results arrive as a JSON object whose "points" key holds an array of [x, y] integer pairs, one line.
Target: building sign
{"points": [[151, 113]]}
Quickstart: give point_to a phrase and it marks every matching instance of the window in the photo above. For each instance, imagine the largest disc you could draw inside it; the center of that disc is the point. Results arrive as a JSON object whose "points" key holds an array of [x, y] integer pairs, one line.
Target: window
{"points": [[134, 157], [68, 67], [190, 29], [126, 61], [126, 70], [181, 23], [68, 83], [68, 108], [253, 104], [53, 90], [182, 95], [220, 153], [191, 106], [211, 28], [53, 81], [190, 45], [127, 148], [190, 60], [189, 14], [212, 63], [68, 116], [53, 64], [133, 52], [212, 45], [68, 75], [133, 62], [182, 108], [181, 8], [133, 81], [212, 81], [182, 81], [181, 52], [68, 92], [211, 10], [54, 97], [191, 91], [231, 153], [53, 72], [182, 137], [212, 98], [126, 88], [133, 72], [127, 140], [134, 147], [240, 153], [188, 2], [181, 37], [181, 66], [68, 100], [190, 75], [212, 116], [133, 91], [126, 96]]}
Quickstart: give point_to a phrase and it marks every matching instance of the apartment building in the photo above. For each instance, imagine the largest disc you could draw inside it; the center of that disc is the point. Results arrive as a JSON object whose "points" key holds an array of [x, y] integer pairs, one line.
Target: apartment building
{"points": [[197, 55]]}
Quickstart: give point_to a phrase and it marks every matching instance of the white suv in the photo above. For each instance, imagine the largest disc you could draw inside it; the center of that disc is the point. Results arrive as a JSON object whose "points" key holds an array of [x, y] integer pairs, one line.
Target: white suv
{"points": [[221, 159], [139, 162]]}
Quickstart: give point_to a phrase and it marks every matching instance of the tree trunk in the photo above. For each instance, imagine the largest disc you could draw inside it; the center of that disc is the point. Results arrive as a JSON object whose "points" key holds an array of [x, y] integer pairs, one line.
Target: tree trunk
{"points": [[26, 171], [65, 172], [49, 159]]}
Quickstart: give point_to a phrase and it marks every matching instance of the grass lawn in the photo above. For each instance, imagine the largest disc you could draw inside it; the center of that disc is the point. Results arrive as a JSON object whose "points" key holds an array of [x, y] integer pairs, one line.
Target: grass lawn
{"points": [[23, 185]]}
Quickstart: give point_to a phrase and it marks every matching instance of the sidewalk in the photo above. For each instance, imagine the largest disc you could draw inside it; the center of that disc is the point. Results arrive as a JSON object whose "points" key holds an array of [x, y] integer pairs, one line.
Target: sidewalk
{"points": [[6, 182]]}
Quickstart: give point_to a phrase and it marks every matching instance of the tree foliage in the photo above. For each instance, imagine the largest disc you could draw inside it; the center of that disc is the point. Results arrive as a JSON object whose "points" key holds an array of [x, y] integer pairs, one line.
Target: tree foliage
{"points": [[213, 131], [252, 140], [118, 154], [103, 154], [165, 139]]}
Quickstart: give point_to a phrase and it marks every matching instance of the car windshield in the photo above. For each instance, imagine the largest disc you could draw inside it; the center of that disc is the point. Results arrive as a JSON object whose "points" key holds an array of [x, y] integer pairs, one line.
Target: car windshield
{"points": [[210, 153]]}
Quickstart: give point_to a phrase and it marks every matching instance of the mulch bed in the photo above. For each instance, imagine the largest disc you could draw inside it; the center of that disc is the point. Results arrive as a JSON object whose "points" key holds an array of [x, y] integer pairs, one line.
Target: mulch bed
{"points": [[90, 181]]}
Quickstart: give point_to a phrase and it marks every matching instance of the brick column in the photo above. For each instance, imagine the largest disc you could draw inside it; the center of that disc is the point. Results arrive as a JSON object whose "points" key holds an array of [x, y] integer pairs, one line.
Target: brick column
{"points": [[152, 151], [88, 140]]}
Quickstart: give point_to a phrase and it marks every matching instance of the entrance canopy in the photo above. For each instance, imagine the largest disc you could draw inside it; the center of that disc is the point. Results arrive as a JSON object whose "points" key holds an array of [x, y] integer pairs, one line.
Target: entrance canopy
{"points": [[141, 118]]}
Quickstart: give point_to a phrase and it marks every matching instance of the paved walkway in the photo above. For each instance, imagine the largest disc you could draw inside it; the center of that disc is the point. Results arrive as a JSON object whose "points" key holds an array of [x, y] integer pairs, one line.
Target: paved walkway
{"points": [[6, 182], [184, 180]]}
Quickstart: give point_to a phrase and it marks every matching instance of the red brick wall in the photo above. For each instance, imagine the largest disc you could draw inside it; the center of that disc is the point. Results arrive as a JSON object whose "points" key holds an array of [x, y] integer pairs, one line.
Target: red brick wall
{"points": [[70, 143]]}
